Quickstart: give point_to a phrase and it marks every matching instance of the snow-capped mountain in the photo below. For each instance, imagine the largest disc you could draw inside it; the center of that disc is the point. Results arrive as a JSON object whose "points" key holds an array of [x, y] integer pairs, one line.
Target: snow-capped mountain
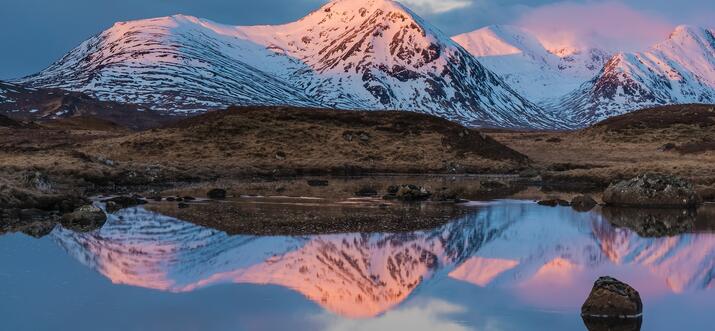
{"points": [[678, 70], [527, 65], [351, 54], [588, 85]]}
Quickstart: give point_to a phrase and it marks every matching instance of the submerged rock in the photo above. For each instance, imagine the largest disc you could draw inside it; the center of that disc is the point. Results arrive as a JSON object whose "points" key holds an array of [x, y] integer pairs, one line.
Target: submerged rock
{"points": [[217, 194], [583, 203], [554, 202], [652, 191], [611, 298], [612, 324], [117, 203]]}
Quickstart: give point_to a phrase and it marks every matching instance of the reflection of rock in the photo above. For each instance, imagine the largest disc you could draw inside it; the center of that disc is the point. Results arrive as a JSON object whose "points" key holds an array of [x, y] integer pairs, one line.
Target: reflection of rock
{"points": [[554, 202], [652, 222], [583, 203], [652, 190], [33, 222], [613, 324], [611, 298]]}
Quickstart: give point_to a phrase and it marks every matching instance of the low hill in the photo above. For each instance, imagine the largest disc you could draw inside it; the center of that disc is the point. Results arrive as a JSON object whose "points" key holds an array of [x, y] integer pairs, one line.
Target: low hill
{"points": [[678, 140], [286, 140]]}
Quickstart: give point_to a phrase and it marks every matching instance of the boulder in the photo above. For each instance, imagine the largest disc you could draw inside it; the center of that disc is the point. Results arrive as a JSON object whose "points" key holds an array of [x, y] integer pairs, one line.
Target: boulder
{"points": [[84, 218], [611, 298], [216, 194], [652, 191], [117, 203], [583, 203]]}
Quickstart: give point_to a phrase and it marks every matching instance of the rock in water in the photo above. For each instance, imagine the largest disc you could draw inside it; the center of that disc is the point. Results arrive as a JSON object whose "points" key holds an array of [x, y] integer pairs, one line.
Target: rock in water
{"points": [[583, 203], [117, 203], [611, 298], [553, 202], [217, 194], [652, 191], [84, 218]]}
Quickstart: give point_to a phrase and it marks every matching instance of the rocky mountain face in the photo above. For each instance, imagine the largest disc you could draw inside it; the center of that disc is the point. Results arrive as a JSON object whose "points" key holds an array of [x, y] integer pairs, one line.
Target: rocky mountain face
{"points": [[588, 85], [679, 70], [538, 73], [349, 54], [45, 104]]}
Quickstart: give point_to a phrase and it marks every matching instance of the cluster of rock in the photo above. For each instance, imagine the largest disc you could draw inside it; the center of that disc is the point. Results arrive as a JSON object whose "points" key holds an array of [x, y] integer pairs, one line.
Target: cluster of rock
{"points": [[582, 203], [652, 191], [408, 192]]}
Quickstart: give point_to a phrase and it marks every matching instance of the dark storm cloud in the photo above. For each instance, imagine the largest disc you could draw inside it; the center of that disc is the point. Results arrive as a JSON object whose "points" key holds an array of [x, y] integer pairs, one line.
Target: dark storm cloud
{"points": [[34, 33]]}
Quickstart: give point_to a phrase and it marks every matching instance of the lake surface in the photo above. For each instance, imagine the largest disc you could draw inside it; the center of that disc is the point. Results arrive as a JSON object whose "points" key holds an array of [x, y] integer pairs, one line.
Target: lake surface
{"points": [[503, 265]]}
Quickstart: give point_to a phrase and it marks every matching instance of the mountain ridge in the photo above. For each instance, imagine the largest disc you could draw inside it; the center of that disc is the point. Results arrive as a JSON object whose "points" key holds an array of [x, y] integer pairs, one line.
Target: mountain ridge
{"points": [[348, 54]]}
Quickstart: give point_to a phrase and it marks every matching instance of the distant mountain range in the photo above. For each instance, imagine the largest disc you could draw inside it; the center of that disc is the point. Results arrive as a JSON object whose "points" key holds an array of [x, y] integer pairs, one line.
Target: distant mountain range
{"points": [[377, 54]]}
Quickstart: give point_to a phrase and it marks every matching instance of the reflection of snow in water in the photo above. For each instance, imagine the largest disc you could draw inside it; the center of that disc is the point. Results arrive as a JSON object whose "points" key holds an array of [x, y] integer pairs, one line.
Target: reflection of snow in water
{"points": [[535, 251]]}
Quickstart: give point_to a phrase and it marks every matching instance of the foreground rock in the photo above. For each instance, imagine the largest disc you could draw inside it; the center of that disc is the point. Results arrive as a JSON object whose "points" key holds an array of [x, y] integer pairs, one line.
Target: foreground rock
{"points": [[583, 203], [84, 218], [611, 298], [652, 191]]}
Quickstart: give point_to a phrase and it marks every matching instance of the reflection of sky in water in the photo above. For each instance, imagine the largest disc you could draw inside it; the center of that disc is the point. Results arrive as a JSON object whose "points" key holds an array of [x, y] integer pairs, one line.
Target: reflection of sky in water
{"points": [[506, 266]]}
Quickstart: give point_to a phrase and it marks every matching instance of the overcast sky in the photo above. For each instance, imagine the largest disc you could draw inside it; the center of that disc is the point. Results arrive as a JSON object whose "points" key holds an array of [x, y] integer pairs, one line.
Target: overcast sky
{"points": [[34, 33]]}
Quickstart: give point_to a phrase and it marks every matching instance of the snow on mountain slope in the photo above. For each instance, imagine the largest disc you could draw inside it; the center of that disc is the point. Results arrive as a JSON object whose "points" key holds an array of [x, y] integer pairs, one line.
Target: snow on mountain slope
{"points": [[677, 71], [353, 54], [169, 63], [527, 65]]}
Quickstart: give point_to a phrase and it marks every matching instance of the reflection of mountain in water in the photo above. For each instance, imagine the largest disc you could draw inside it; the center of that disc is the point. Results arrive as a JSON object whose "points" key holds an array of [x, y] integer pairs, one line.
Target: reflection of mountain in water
{"points": [[360, 275]]}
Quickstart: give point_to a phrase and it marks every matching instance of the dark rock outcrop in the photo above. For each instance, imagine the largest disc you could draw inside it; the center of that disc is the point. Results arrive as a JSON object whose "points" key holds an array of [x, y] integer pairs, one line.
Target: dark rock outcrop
{"points": [[652, 191], [611, 298]]}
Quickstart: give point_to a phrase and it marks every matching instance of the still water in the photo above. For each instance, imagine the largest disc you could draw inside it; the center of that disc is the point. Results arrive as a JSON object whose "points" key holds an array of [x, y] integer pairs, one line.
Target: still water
{"points": [[503, 265]]}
